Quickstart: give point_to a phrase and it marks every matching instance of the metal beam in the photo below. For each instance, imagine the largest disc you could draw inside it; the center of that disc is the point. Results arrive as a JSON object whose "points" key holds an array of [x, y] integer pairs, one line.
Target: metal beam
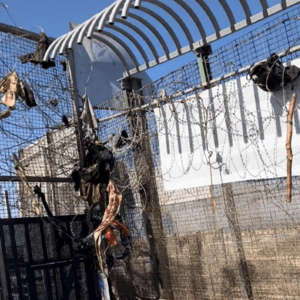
{"points": [[158, 10], [22, 33], [142, 35], [35, 179]]}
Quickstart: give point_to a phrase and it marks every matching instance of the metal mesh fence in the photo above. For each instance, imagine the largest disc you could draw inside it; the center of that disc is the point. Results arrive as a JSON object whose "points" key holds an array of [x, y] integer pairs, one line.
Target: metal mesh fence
{"points": [[219, 241], [35, 142], [40, 264], [230, 241]]}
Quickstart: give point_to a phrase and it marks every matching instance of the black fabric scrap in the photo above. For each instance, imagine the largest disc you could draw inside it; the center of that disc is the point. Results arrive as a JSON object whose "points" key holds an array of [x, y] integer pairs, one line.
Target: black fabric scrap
{"points": [[37, 57], [28, 97], [98, 163]]}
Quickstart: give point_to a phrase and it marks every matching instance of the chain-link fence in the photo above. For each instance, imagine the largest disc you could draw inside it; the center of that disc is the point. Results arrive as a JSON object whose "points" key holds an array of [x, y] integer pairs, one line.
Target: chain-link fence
{"points": [[235, 240], [37, 147]]}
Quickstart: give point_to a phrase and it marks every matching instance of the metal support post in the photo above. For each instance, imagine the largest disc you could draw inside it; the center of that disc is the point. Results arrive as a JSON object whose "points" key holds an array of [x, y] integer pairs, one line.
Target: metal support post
{"points": [[3, 281], [7, 205], [202, 54], [231, 214], [80, 143], [75, 103], [142, 155]]}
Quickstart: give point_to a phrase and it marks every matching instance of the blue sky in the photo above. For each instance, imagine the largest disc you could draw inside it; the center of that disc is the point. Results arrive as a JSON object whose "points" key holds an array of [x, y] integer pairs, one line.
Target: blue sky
{"points": [[54, 17]]}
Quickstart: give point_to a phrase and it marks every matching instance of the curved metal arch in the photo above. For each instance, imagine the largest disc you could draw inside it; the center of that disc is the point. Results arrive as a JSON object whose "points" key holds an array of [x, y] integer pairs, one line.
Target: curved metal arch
{"points": [[194, 18], [77, 31], [126, 6], [89, 24], [133, 40], [154, 30], [264, 6], [228, 12], [80, 29], [147, 40], [164, 24], [105, 15], [179, 2], [116, 50], [54, 46], [175, 16], [115, 11], [122, 8], [97, 18], [154, 15], [125, 9], [246, 10], [210, 15], [137, 3], [143, 35], [123, 44]]}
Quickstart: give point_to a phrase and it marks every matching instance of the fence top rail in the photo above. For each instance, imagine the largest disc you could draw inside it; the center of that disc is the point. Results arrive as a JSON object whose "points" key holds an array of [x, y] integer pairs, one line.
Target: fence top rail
{"points": [[197, 87], [35, 179], [21, 32]]}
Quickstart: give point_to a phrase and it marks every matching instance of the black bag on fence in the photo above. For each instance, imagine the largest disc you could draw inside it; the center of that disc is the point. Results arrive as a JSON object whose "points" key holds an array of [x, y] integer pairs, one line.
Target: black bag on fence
{"points": [[271, 76]]}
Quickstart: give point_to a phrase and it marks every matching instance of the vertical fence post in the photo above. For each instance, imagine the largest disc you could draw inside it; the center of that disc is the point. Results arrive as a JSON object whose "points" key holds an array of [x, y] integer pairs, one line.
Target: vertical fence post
{"points": [[7, 205], [202, 54], [231, 214], [147, 189], [3, 281], [75, 104], [80, 142]]}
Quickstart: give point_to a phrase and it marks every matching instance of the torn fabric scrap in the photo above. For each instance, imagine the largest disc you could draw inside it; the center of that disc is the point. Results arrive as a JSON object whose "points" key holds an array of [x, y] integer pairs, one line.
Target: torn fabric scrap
{"points": [[38, 56], [111, 211], [13, 88], [88, 115]]}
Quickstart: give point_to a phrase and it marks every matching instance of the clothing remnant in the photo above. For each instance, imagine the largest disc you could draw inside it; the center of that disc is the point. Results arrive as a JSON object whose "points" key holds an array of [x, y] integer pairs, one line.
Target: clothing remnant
{"points": [[4, 114], [65, 120], [92, 182], [38, 56], [123, 139], [88, 115], [63, 63], [109, 234], [37, 190], [93, 193], [28, 96], [53, 102], [111, 211], [98, 163], [12, 87], [20, 170], [272, 76]]}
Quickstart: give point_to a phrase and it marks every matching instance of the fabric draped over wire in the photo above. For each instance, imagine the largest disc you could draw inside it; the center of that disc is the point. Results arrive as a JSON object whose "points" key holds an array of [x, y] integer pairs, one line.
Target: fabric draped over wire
{"points": [[111, 211], [13, 88]]}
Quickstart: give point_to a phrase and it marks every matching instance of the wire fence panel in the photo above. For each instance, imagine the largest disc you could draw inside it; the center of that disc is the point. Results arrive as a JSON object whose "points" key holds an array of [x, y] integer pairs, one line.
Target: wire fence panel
{"points": [[35, 142], [233, 240], [237, 240], [39, 264]]}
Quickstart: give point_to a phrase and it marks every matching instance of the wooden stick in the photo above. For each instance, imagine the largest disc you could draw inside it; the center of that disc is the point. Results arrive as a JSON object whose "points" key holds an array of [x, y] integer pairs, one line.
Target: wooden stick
{"points": [[289, 153]]}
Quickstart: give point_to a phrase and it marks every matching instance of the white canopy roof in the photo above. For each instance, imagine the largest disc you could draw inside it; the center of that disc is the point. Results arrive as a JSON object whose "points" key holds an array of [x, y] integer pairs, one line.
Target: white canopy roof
{"points": [[132, 20]]}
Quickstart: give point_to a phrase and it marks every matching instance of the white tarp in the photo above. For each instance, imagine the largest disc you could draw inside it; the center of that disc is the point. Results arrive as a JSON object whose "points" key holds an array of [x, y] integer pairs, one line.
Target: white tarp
{"points": [[98, 69], [246, 135]]}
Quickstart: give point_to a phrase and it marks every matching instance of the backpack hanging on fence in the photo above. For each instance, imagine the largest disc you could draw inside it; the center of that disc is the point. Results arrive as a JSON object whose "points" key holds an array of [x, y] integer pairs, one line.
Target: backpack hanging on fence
{"points": [[271, 76]]}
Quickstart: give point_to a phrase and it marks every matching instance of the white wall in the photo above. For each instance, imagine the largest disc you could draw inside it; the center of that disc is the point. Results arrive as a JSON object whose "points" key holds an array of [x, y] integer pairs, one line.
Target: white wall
{"points": [[246, 134]]}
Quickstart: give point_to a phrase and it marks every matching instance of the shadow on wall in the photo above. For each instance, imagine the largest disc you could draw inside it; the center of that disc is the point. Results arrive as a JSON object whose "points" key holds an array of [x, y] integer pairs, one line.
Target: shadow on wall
{"points": [[280, 102]]}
